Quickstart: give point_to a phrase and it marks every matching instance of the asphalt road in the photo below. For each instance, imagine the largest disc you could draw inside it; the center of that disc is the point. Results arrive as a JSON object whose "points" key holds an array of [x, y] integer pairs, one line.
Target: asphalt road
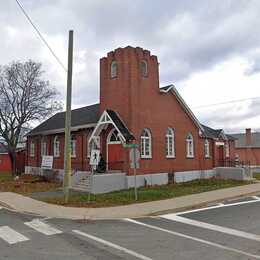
{"points": [[225, 231]]}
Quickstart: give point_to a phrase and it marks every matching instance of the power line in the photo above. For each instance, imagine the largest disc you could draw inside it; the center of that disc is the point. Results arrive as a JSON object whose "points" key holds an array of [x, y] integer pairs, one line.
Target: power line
{"points": [[40, 35], [227, 102]]}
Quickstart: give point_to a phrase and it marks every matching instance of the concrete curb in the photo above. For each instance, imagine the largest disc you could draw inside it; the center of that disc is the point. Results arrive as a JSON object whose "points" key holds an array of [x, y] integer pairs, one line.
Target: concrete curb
{"points": [[28, 205]]}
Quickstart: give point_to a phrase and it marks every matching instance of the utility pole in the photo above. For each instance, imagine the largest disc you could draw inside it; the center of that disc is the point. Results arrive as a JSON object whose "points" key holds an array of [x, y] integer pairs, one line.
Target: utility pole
{"points": [[67, 152]]}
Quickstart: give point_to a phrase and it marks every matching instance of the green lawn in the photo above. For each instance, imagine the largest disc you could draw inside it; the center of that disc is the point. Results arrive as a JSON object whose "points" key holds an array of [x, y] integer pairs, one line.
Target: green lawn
{"points": [[145, 194], [5, 176], [257, 176]]}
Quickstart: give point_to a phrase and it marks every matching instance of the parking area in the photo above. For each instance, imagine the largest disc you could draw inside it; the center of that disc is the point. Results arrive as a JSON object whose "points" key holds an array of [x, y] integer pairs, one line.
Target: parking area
{"points": [[228, 230]]}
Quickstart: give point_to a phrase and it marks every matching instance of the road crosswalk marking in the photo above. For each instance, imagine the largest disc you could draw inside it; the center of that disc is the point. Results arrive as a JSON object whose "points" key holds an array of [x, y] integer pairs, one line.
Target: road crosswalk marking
{"points": [[112, 245], [229, 231], [11, 236], [195, 239], [42, 227]]}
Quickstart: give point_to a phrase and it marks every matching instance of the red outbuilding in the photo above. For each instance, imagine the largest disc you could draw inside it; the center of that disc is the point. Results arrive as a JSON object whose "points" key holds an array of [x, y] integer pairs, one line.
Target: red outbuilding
{"points": [[5, 162]]}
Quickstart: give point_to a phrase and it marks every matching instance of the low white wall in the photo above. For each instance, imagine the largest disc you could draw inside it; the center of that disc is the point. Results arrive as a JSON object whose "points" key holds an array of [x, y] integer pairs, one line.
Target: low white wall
{"points": [[234, 173], [147, 179], [103, 183], [193, 175]]}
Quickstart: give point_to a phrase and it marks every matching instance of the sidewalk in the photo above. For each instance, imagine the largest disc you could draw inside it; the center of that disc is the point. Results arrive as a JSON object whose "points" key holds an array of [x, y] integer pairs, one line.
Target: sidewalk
{"points": [[25, 204]]}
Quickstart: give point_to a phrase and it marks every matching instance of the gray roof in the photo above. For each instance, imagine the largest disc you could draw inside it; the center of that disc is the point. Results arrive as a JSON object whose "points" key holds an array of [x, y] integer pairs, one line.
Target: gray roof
{"points": [[90, 115], [120, 125], [3, 149], [79, 117], [210, 132], [215, 133], [241, 140]]}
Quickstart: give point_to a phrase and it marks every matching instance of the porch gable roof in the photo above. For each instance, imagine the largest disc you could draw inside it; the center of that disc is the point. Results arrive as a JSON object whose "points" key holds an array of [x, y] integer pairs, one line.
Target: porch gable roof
{"points": [[112, 117]]}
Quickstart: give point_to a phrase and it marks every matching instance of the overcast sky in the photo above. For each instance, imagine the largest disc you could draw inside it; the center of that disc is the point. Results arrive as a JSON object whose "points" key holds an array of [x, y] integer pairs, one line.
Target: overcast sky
{"points": [[208, 49]]}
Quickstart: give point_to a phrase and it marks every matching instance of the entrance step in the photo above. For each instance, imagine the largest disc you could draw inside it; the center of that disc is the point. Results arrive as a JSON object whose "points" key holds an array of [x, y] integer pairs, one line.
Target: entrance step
{"points": [[83, 184]]}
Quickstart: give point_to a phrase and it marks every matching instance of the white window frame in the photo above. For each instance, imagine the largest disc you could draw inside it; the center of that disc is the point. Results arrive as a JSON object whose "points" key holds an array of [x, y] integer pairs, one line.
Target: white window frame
{"points": [[73, 146], [113, 69], [43, 147], [146, 140], [189, 146], [114, 133], [227, 150], [144, 65], [32, 149], [206, 148], [170, 143], [56, 147]]}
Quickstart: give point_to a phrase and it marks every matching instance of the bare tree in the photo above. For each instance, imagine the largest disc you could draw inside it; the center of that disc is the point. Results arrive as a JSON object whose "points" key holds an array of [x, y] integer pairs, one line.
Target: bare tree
{"points": [[24, 98]]}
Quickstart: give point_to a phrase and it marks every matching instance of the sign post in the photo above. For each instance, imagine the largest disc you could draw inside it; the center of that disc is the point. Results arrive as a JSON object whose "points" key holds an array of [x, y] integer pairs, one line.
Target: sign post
{"points": [[134, 163], [94, 161], [47, 162]]}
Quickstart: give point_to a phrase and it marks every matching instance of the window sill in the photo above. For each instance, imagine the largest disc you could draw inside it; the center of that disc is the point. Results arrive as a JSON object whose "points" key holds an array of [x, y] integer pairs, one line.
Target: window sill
{"points": [[170, 156], [190, 157], [207, 157], [146, 157]]}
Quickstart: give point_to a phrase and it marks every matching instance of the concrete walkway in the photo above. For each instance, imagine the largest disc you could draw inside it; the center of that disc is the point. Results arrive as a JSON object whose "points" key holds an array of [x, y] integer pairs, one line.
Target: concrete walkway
{"points": [[25, 204]]}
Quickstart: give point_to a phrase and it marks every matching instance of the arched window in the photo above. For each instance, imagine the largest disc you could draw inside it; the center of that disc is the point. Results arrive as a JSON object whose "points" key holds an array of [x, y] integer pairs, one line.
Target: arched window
{"points": [[189, 146], [56, 146], [73, 145], [146, 144], [170, 149], [113, 137], [206, 148], [32, 149], [113, 69], [43, 147], [144, 68], [227, 149]]}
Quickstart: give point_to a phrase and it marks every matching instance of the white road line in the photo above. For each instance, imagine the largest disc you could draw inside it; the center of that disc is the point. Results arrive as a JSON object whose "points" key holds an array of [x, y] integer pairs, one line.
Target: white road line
{"points": [[107, 243], [218, 206], [42, 227], [195, 239], [255, 197], [11, 236], [217, 228]]}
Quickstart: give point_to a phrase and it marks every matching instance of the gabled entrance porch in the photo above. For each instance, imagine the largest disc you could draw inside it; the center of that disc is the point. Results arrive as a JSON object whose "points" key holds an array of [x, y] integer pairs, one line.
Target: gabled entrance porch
{"points": [[109, 136]]}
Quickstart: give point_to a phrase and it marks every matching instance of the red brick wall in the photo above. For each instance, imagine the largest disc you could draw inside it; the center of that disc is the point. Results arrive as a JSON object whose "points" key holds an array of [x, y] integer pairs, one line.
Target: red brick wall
{"points": [[80, 162], [140, 104]]}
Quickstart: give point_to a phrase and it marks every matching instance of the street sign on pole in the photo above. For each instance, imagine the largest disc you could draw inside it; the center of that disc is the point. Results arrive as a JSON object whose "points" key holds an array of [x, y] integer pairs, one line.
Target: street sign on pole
{"points": [[134, 155], [94, 158], [47, 162], [131, 145]]}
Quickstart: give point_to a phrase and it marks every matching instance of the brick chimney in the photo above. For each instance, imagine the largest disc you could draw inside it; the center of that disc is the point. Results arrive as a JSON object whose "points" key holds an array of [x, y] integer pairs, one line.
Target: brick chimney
{"points": [[248, 137]]}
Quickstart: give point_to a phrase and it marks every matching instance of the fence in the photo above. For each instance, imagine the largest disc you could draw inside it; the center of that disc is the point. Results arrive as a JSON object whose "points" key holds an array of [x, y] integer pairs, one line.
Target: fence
{"points": [[233, 163]]}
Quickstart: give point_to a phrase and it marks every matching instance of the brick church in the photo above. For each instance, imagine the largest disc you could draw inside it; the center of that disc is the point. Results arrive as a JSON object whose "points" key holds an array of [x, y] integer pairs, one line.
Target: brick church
{"points": [[133, 108]]}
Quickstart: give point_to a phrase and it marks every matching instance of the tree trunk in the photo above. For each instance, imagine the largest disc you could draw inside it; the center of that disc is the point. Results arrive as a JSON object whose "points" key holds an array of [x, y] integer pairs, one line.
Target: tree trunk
{"points": [[13, 161]]}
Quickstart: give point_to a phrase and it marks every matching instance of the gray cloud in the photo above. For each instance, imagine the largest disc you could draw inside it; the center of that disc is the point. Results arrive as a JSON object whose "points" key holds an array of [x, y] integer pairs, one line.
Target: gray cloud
{"points": [[188, 36]]}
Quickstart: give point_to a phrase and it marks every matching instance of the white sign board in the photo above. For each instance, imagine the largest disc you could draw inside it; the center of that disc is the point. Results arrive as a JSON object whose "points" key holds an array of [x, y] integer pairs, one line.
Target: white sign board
{"points": [[94, 158], [134, 158], [47, 162], [219, 143]]}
